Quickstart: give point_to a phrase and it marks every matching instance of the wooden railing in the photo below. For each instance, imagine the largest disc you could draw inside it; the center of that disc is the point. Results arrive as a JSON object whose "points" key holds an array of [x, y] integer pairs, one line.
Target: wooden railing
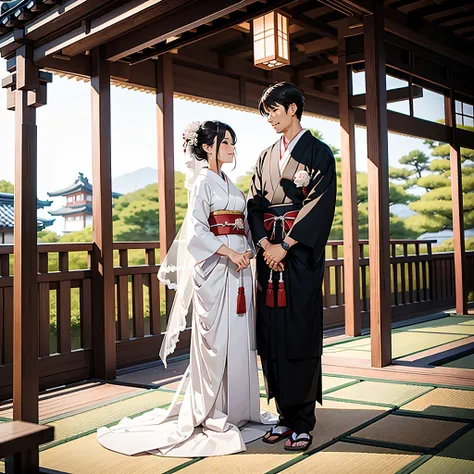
{"points": [[421, 282]]}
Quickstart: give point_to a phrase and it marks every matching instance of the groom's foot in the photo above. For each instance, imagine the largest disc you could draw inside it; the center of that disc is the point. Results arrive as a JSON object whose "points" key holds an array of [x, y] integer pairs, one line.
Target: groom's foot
{"points": [[276, 434], [300, 442]]}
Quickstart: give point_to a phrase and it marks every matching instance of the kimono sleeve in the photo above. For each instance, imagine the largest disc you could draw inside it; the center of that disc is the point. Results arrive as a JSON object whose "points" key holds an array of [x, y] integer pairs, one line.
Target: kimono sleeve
{"points": [[255, 203], [313, 224], [202, 243]]}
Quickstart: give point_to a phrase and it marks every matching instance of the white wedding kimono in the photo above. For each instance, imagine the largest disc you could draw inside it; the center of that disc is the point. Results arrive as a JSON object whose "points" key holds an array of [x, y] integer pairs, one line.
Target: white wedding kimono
{"points": [[221, 407]]}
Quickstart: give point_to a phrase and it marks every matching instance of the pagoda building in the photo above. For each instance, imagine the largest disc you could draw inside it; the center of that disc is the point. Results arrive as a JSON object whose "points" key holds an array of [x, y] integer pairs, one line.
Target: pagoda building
{"points": [[77, 212], [7, 217]]}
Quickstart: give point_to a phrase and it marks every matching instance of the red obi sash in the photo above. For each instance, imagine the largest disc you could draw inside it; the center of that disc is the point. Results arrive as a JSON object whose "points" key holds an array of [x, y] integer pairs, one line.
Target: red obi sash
{"points": [[287, 220], [227, 222]]}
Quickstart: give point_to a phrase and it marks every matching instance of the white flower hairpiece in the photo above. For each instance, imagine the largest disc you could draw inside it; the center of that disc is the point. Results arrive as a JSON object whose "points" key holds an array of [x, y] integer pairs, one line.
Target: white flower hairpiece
{"points": [[190, 135]]}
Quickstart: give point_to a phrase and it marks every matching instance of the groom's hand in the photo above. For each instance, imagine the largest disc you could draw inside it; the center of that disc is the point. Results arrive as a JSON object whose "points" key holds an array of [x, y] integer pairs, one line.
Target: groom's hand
{"points": [[274, 253]]}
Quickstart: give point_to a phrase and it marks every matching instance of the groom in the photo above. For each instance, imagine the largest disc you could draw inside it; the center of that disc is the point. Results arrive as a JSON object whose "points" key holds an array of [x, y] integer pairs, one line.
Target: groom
{"points": [[290, 212]]}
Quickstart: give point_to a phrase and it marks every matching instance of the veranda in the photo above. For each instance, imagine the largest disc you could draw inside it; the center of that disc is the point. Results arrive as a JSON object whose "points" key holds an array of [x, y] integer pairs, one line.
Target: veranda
{"points": [[202, 50]]}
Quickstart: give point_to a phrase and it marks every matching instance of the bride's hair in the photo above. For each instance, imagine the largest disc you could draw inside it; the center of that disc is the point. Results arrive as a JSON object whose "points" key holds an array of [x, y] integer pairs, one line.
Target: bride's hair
{"points": [[206, 133]]}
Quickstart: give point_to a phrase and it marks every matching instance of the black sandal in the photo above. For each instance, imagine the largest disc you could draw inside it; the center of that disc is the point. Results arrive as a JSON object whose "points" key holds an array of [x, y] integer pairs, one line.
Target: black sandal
{"points": [[270, 433], [302, 438]]}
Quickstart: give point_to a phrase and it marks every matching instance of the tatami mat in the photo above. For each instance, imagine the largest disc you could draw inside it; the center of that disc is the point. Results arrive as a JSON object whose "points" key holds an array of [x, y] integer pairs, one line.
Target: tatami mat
{"points": [[333, 419], [86, 456], [445, 402], [332, 383], [403, 343], [449, 325], [91, 420], [351, 458], [457, 458], [380, 392], [462, 363], [410, 431]]}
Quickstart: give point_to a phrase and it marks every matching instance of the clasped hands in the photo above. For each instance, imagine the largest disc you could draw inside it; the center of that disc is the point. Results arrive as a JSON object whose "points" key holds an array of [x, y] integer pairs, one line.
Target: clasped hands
{"points": [[273, 256], [242, 260]]}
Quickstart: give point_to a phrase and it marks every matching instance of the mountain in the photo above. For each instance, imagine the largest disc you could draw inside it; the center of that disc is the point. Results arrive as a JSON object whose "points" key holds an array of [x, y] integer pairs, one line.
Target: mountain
{"points": [[138, 179]]}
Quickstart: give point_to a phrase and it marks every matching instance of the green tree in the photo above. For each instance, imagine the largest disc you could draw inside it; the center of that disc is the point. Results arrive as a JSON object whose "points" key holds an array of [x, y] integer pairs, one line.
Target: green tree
{"points": [[47, 236], [434, 208], [448, 245], [417, 160], [6, 187], [136, 214]]}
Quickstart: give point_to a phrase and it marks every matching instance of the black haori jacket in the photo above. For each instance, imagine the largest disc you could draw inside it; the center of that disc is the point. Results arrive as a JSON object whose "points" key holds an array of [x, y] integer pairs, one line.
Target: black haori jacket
{"points": [[298, 328]]}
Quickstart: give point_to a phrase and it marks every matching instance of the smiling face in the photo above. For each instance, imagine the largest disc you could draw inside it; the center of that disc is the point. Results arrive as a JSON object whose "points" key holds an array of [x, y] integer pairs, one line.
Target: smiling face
{"points": [[227, 149], [279, 118]]}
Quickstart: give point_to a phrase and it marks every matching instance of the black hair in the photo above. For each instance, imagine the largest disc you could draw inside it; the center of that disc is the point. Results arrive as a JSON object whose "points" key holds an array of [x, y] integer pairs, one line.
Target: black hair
{"points": [[206, 134], [283, 93]]}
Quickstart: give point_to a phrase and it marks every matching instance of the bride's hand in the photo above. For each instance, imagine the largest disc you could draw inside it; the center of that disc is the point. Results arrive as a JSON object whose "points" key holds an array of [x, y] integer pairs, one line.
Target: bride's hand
{"points": [[242, 260]]}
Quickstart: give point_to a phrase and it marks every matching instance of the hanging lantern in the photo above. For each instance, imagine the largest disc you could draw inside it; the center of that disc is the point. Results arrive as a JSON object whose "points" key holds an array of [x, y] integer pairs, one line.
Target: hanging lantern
{"points": [[271, 45]]}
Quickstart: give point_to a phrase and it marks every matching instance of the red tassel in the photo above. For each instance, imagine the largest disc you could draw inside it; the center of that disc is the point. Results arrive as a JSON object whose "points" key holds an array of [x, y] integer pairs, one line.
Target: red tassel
{"points": [[241, 303], [270, 300], [281, 294]]}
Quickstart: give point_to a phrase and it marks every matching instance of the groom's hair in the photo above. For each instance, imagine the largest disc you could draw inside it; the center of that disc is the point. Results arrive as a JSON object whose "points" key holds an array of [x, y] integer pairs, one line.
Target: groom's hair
{"points": [[283, 93]]}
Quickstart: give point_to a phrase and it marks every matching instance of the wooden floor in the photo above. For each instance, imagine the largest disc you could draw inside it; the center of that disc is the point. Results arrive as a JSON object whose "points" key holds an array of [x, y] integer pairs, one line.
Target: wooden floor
{"points": [[367, 424]]}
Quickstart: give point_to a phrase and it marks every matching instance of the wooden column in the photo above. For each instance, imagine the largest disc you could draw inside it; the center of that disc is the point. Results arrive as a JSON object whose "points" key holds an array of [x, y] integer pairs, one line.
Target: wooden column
{"points": [[164, 121], [103, 288], [460, 277], [379, 215], [25, 282], [352, 312]]}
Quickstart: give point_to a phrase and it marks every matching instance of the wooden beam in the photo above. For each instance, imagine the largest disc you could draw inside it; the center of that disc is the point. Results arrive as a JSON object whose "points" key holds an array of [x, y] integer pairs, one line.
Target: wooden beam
{"points": [[393, 95], [52, 20], [313, 24], [107, 26], [428, 36], [319, 70], [165, 137], [379, 212], [197, 14], [243, 49], [25, 282], [218, 27], [460, 273], [352, 307], [436, 8], [103, 285], [317, 46]]}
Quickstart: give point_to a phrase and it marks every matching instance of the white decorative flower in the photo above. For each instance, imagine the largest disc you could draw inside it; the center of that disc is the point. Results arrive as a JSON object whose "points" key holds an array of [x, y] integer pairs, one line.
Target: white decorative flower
{"points": [[301, 179], [239, 224], [190, 135]]}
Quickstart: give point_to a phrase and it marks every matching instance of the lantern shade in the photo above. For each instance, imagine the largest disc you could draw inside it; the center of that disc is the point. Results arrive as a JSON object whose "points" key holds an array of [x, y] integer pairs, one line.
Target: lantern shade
{"points": [[271, 45]]}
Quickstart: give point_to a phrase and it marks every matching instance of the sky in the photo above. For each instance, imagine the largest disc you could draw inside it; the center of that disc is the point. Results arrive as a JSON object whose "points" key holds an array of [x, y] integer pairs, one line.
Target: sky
{"points": [[64, 132]]}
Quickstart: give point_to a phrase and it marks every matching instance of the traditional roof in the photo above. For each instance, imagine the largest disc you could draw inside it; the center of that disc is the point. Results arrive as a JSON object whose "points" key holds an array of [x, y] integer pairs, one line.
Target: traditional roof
{"points": [[81, 184], [7, 214], [68, 210], [16, 13]]}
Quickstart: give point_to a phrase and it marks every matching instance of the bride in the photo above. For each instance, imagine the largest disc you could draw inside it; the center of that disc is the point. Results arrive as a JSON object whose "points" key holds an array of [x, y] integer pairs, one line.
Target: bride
{"points": [[208, 266]]}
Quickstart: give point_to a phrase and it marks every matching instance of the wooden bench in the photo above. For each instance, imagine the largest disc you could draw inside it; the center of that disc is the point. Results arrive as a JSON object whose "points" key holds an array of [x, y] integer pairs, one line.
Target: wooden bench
{"points": [[19, 442]]}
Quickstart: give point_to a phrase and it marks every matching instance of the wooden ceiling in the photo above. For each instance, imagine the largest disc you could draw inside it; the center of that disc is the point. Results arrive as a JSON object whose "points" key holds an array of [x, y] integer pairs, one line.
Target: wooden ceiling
{"points": [[225, 41]]}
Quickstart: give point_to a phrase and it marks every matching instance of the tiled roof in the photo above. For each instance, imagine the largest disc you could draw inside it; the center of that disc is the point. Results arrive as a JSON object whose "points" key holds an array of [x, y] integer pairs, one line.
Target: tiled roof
{"points": [[14, 14], [81, 184], [63, 211], [7, 215]]}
